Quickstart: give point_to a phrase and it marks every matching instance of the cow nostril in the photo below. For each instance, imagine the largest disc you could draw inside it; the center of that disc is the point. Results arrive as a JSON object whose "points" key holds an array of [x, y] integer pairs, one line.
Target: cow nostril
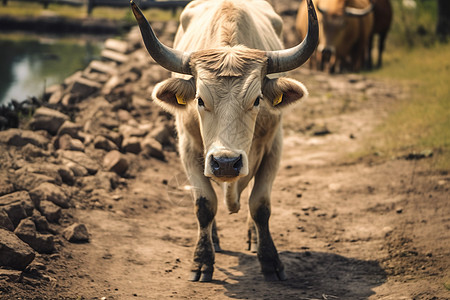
{"points": [[238, 164], [214, 163]]}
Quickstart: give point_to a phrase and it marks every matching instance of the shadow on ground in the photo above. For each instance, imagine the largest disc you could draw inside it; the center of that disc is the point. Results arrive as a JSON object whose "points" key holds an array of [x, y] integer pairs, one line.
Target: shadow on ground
{"points": [[311, 275]]}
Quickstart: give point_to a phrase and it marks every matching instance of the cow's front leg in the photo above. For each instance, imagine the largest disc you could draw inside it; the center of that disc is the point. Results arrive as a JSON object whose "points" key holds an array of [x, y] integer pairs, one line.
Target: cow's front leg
{"points": [[203, 266], [259, 204]]}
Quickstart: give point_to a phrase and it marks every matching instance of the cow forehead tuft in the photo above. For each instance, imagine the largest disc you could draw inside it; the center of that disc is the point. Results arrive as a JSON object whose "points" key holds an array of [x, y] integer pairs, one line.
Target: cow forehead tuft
{"points": [[229, 61]]}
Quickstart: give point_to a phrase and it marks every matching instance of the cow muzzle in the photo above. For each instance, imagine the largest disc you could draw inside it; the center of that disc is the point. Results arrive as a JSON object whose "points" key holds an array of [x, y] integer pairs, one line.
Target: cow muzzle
{"points": [[225, 165]]}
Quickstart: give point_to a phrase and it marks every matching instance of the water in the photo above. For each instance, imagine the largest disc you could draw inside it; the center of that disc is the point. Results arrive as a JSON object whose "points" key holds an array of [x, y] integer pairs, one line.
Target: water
{"points": [[29, 63]]}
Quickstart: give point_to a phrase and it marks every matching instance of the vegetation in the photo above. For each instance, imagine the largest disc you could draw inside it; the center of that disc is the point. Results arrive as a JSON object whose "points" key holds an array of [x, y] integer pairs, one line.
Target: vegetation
{"points": [[415, 58]]}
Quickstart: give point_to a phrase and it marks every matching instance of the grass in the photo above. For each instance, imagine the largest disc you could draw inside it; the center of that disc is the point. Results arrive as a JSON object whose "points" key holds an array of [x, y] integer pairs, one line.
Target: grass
{"points": [[29, 9], [416, 59]]}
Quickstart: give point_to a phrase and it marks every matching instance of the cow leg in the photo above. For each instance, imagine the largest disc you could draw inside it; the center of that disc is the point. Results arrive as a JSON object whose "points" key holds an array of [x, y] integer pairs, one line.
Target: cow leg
{"points": [[259, 204], [205, 207], [215, 238], [381, 43], [252, 239]]}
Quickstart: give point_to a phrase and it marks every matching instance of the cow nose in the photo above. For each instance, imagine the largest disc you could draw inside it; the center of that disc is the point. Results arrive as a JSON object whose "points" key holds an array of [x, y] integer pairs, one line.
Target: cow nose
{"points": [[226, 166]]}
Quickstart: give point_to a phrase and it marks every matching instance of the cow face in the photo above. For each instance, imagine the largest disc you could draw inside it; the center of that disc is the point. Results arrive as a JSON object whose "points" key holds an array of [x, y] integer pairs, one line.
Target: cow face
{"points": [[228, 89]]}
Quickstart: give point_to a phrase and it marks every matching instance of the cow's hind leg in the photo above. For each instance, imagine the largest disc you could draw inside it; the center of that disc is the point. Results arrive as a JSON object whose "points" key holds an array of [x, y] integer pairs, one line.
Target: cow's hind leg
{"points": [[259, 202]]}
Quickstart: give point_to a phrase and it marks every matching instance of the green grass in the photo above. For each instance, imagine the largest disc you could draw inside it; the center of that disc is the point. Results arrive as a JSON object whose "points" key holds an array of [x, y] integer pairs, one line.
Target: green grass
{"points": [[422, 121], [29, 9]]}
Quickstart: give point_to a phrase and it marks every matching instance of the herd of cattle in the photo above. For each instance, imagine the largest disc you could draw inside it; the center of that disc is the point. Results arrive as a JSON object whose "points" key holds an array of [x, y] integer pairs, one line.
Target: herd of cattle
{"points": [[347, 30]]}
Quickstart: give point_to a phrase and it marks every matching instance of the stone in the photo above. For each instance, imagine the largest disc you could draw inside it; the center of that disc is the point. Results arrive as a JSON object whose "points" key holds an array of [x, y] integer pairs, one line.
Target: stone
{"points": [[14, 252], [51, 211], [40, 221], [132, 131], [19, 138], [5, 187], [131, 144], [140, 102], [71, 129], [114, 56], [5, 221], [83, 87], [48, 119], [116, 162], [42, 243], [10, 275], [50, 192], [75, 168], [124, 115], [28, 181], [66, 142], [30, 150], [114, 82], [117, 45], [76, 233], [47, 169], [102, 67], [17, 206], [100, 142], [162, 134], [80, 158], [56, 97], [152, 148], [71, 79]]}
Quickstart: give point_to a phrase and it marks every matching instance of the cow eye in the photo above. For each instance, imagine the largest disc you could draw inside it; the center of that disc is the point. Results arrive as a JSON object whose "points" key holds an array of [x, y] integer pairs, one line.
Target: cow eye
{"points": [[200, 102], [256, 103]]}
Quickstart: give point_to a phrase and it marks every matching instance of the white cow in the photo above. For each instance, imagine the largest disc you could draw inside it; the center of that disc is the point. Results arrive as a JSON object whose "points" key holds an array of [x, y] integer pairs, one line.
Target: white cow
{"points": [[228, 111]]}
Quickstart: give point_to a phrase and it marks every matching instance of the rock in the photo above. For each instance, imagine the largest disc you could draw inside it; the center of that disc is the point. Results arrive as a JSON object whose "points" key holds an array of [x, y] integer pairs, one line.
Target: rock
{"points": [[30, 150], [48, 119], [152, 147], [66, 142], [76, 233], [20, 138], [102, 67], [114, 161], [56, 97], [70, 128], [100, 142], [50, 192], [10, 275], [51, 211], [75, 168], [17, 206], [5, 221], [81, 159], [117, 45], [114, 82], [140, 102], [28, 181], [83, 87], [131, 131], [46, 169], [42, 243], [124, 115], [40, 221], [131, 144], [114, 56], [5, 187], [162, 134], [14, 252]]}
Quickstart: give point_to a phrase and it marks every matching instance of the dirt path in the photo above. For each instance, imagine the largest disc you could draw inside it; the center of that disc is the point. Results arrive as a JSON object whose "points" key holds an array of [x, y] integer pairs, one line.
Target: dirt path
{"points": [[344, 229]]}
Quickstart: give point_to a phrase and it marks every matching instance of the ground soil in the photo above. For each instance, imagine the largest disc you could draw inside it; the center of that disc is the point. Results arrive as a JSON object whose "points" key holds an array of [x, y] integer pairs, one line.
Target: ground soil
{"points": [[345, 228]]}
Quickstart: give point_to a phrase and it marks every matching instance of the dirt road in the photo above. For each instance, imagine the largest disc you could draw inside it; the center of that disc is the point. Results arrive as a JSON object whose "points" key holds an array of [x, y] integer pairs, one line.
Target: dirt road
{"points": [[345, 228]]}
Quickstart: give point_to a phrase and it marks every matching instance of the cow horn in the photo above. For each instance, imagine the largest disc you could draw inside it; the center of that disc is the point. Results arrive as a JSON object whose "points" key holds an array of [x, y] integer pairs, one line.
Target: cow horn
{"points": [[359, 12], [170, 59], [292, 58]]}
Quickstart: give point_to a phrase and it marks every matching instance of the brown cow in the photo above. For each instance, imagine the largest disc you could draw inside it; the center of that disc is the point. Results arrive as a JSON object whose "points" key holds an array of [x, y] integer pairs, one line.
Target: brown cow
{"points": [[344, 34], [228, 110], [382, 12]]}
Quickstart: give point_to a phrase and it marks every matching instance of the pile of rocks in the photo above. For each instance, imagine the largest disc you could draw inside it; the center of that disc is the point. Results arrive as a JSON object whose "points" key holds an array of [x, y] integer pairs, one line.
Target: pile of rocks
{"points": [[78, 148]]}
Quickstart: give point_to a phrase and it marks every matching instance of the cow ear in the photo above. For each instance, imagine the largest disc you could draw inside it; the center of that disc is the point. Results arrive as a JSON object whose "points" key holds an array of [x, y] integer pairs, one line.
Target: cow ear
{"points": [[282, 92], [174, 93]]}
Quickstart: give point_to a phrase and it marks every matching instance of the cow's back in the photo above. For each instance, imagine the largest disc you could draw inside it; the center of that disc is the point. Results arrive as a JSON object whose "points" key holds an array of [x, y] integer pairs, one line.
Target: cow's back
{"points": [[206, 24]]}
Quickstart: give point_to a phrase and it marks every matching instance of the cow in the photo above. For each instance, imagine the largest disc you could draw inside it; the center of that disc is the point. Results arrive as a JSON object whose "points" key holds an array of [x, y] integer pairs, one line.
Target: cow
{"points": [[344, 35], [227, 95], [382, 19]]}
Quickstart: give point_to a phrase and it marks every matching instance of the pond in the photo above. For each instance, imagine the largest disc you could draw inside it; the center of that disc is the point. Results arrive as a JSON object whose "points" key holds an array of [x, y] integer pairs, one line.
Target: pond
{"points": [[29, 63]]}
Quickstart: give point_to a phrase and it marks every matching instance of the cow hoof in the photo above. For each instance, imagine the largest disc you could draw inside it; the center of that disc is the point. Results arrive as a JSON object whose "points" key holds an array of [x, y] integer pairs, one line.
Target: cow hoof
{"points": [[200, 276], [253, 247], [275, 276], [217, 247]]}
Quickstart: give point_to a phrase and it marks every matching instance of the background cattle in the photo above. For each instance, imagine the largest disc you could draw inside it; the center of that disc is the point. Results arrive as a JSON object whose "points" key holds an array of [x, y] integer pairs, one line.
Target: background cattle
{"points": [[382, 12], [346, 26]]}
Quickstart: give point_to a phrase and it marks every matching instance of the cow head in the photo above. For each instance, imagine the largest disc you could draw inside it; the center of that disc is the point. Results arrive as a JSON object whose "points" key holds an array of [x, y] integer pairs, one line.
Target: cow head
{"points": [[334, 17], [227, 90]]}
